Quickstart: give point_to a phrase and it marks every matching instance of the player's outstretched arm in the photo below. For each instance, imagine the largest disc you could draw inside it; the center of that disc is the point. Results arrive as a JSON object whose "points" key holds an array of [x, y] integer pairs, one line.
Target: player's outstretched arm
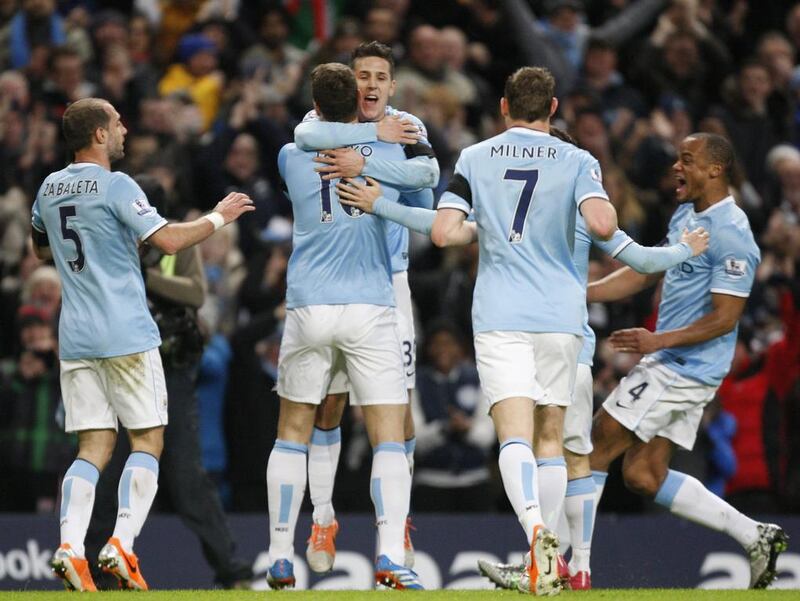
{"points": [[174, 237], [368, 198], [450, 228], [600, 217], [655, 259], [313, 134], [410, 174], [725, 312], [621, 284]]}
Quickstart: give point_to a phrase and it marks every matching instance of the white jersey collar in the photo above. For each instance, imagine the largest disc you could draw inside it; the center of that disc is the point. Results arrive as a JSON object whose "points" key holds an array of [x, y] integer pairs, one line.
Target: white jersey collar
{"points": [[725, 201]]}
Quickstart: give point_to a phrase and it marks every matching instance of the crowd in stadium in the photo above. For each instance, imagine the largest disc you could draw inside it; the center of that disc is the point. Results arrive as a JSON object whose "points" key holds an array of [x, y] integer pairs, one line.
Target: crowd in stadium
{"points": [[210, 90]]}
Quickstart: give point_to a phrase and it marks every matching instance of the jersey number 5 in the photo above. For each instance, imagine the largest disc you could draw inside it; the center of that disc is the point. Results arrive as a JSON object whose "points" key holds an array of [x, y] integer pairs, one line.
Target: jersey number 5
{"points": [[69, 234], [530, 177]]}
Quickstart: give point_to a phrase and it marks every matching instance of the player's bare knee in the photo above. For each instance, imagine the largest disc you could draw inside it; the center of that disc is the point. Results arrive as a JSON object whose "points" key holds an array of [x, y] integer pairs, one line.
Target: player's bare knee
{"points": [[150, 441], [641, 481], [408, 427], [330, 411], [384, 423], [97, 446]]}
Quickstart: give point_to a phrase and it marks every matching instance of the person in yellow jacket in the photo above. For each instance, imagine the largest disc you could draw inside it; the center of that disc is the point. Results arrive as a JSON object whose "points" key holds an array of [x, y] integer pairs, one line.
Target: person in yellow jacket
{"points": [[196, 75]]}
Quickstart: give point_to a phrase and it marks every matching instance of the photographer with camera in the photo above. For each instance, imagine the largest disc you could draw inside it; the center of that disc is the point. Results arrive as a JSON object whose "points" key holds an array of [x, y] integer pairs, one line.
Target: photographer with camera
{"points": [[176, 287]]}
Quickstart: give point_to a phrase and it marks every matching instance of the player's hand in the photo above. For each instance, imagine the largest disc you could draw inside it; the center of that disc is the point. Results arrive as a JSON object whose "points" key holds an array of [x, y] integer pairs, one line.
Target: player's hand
{"points": [[358, 194], [339, 162], [397, 131], [696, 239], [233, 205], [635, 340]]}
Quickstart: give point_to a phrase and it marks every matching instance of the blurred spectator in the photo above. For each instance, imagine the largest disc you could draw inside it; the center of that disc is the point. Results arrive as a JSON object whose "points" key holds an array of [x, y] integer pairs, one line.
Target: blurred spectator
{"points": [[754, 393], [747, 121], [618, 100], [427, 67], [777, 54], [381, 25], [34, 450], [454, 430], [278, 64], [225, 271], [66, 81], [196, 75], [35, 24]]}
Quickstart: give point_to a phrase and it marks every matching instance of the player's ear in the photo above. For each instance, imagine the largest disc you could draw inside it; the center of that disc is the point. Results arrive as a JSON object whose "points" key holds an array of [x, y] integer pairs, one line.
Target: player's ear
{"points": [[101, 135], [504, 106], [553, 106], [715, 170], [392, 88]]}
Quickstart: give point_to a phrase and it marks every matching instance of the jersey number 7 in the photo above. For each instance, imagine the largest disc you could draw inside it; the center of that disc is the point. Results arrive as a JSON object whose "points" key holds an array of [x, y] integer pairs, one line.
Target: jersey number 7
{"points": [[530, 177]]}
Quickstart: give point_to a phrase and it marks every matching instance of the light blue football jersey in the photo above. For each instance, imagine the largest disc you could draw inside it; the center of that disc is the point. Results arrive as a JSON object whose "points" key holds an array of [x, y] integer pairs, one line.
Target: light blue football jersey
{"points": [[342, 134], [339, 254], [583, 244], [94, 220], [525, 187], [727, 267]]}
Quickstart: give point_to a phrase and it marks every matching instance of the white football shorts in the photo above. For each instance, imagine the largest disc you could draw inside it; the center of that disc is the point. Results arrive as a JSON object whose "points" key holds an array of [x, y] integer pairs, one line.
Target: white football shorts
{"points": [[362, 338], [652, 400], [538, 366], [340, 383], [128, 388], [578, 417]]}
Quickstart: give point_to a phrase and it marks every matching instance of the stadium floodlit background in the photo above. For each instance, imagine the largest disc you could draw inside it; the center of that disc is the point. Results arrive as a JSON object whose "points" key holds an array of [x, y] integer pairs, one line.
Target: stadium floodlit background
{"points": [[211, 89]]}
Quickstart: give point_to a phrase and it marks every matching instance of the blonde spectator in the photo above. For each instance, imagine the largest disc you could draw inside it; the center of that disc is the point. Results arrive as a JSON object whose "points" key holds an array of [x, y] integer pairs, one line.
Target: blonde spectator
{"points": [[43, 290]]}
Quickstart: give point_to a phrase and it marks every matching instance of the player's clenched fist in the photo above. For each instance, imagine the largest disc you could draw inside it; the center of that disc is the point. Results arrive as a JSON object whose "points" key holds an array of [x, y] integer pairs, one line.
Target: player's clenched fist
{"points": [[360, 195], [233, 205], [696, 239]]}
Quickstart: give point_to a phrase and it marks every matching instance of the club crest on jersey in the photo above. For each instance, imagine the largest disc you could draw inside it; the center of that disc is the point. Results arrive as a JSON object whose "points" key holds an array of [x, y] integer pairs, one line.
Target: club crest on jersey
{"points": [[143, 207], [735, 267]]}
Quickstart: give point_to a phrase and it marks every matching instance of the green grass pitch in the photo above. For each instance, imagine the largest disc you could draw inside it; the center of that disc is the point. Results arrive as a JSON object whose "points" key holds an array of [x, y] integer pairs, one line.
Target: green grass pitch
{"points": [[441, 595]]}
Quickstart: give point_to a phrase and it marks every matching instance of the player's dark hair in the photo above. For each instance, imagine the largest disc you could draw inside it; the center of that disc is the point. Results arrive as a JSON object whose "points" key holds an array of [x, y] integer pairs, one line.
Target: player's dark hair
{"points": [[529, 92], [366, 49], [562, 135], [81, 120], [333, 88], [719, 150]]}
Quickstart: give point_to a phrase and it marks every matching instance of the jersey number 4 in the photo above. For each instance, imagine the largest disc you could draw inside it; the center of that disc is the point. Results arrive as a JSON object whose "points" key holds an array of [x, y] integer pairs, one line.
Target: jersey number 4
{"points": [[530, 177], [68, 233]]}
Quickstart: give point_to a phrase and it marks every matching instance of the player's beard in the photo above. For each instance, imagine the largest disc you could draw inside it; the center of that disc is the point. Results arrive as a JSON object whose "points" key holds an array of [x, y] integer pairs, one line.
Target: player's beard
{"points": [[117, 152]]}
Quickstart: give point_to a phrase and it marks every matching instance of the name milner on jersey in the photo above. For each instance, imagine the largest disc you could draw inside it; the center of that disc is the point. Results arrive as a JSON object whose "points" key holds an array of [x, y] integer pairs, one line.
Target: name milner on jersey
{"points": [[81, 186], [523, 152]]}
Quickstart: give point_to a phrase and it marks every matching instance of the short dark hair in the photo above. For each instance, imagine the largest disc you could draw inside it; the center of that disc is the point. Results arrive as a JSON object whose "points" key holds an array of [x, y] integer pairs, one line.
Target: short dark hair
{"points": [[562, 135], [718, 150], [333, 88], [374, 48], [529, 92], [81, 120]]}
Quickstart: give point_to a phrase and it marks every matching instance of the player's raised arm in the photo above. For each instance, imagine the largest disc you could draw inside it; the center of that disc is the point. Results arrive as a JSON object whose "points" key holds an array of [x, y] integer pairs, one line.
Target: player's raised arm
{"points": [[174, 237], [647, 259], [621, 284], [600, 217], [592, 199], [368, 198], [313, 134]]}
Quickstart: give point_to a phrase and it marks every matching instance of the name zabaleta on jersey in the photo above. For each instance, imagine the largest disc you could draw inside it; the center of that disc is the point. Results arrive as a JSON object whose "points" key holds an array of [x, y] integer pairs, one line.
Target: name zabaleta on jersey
{"points": [[80, 186]]}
